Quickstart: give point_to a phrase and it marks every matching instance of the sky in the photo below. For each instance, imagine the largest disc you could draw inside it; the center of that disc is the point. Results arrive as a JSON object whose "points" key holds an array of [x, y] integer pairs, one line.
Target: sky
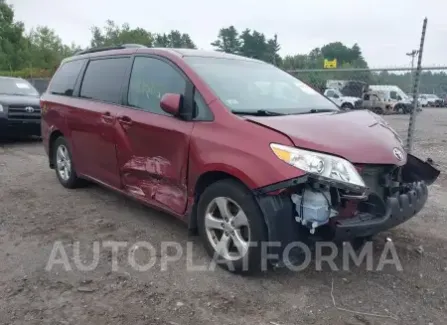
{"points": [[385, 29]]}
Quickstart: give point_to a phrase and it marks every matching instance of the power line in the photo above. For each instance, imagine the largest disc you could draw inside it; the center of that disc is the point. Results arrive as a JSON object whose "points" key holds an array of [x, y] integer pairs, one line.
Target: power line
{"points": [[429, 68]]}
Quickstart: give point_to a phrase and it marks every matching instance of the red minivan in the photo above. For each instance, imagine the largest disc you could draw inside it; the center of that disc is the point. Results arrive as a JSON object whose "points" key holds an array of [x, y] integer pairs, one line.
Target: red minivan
{"points": [[243, 152]]}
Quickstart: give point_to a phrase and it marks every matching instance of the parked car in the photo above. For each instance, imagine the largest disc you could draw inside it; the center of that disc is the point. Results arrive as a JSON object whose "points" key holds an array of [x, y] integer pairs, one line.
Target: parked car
{"points": [[244, 161], [423, 100], [433, 100], [19, 108], [345, 102], [375, 101]]}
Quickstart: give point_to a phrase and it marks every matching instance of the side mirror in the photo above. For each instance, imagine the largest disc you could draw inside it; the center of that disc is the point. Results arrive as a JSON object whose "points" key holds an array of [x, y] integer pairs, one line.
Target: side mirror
{"points": [[336, 96], [171, 103]]}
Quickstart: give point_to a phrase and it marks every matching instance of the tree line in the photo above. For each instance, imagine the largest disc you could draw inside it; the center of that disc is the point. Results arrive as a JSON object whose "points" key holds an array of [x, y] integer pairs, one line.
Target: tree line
{"points": [[37, 53]]}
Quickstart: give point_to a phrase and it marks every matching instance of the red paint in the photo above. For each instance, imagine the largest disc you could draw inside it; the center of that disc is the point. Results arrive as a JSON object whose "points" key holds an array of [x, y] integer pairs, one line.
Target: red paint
{"points": [[158, 159], [170, 103]]}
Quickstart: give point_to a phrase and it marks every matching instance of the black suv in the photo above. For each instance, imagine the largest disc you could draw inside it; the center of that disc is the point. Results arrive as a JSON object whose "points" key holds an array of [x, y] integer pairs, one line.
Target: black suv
{"points": [[19, 108]]}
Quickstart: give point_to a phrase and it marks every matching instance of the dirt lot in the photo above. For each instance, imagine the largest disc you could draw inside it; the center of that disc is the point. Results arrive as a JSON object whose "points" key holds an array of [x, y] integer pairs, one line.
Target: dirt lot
{"points": [[35, 211]]}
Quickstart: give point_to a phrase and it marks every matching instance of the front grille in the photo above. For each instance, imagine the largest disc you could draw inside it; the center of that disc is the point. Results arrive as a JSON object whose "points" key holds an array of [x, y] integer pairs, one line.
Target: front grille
{"points": [[23, 112]]}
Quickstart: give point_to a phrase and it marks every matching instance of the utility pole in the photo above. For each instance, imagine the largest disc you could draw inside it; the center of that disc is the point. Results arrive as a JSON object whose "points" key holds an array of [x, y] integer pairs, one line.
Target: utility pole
{"points": [[411, 124], [413, 55]]}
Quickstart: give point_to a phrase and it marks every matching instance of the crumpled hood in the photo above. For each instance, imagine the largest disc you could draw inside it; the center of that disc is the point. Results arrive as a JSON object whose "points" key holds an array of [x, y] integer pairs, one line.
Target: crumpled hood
{"points": [[358, 136]]}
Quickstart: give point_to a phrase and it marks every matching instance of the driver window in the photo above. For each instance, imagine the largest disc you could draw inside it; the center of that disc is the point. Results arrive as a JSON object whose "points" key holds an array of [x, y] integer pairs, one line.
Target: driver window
{"points": [[393, 95], [331, 93], [150, 80]]}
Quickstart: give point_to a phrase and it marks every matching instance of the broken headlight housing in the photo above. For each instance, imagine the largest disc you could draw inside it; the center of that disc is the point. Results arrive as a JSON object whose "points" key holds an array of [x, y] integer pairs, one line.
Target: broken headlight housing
{"points": [[319, 164]]}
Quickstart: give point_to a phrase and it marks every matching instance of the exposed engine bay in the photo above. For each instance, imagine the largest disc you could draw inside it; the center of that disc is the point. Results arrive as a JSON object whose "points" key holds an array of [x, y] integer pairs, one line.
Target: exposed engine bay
{"points": [[317, 203], [333, 210]]}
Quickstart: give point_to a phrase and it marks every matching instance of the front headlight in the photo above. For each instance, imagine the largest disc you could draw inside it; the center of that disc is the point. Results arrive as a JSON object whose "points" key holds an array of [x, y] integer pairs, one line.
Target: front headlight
{"points": [[320, 164]]}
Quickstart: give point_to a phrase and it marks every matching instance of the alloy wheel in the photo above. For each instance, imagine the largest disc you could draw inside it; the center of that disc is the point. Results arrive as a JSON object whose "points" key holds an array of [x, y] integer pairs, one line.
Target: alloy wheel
{"points": [[227, 228], [63, 162]]}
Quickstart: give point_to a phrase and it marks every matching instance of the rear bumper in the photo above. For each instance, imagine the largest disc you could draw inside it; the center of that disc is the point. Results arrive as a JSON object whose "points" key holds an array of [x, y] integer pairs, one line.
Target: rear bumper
{"points": [[398, 210], [19, 127]]}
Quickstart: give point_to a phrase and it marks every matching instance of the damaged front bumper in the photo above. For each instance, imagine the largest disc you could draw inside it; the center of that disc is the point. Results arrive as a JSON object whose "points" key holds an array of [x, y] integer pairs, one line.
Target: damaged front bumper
{"points": [[375, 212], [398, 209]]}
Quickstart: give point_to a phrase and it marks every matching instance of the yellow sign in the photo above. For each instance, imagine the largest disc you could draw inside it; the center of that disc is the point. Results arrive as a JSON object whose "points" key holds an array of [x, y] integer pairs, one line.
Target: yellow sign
{"points": [[330, 64]]}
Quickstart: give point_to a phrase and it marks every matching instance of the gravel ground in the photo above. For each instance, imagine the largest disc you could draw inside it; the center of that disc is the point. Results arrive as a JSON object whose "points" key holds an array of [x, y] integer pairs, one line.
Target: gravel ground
{"points": [[36, 212]]}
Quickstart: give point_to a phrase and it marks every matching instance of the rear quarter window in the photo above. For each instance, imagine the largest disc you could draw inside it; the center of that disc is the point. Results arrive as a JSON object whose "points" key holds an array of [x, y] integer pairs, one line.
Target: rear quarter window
{"points": [[64, 80]]}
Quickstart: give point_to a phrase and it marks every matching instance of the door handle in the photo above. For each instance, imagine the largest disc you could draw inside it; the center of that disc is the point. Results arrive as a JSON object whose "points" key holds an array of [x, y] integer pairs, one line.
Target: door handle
{"points": [[107, 117], [125, 121]]}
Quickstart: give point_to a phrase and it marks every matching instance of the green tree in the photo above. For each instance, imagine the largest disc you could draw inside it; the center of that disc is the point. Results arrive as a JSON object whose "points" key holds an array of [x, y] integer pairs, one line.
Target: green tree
{"points": [[13, 43], [273, 48], [47, 48], [112, 34], [254, 45], [174, 39], [228, 40]]}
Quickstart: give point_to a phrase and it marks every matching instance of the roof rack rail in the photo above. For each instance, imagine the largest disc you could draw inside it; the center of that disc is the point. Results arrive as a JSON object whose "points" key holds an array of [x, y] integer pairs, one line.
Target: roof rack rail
{"points": [[108, 48]]}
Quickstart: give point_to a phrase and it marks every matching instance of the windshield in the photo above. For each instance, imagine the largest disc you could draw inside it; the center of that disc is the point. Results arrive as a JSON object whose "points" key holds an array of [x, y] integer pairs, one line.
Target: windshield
{"points": [[252, 86], [337, 92], [15, 86]]}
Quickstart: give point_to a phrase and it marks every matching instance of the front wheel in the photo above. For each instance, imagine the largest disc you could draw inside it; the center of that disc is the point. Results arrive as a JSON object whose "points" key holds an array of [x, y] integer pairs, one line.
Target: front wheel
{"points": [[347, 106], [232, 227]]}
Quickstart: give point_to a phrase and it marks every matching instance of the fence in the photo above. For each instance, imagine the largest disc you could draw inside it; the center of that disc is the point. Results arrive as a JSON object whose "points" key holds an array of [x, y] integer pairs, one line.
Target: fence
{"points": [[408, 83], [432, 80], [40, 84]]}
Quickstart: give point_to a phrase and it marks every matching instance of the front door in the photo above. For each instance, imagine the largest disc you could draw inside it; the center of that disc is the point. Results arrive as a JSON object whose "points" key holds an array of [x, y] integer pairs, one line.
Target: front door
{"points": [[152, 145], [93, 122]]}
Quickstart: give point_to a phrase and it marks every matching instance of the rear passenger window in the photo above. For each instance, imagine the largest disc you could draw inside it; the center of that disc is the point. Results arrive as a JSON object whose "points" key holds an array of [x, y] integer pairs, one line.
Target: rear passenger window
{"points": [[150, 80], [63, 82], [103, 79]]}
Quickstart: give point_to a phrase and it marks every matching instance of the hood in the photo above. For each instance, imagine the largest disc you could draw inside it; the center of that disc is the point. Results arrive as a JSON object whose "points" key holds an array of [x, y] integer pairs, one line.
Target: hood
{"points": [[358, 136], [9, 100], [351, 98]]}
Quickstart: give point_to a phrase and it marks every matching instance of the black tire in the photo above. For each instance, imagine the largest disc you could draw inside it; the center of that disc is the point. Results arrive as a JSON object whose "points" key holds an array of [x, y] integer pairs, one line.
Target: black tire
{"points": [[235, 191], [73, 180], [347, 106], [377, 110]]}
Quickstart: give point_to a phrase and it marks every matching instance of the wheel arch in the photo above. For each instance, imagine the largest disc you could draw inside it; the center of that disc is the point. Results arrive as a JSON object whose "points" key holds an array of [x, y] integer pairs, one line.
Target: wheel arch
{"points": [[206, 179], [55, 134]]}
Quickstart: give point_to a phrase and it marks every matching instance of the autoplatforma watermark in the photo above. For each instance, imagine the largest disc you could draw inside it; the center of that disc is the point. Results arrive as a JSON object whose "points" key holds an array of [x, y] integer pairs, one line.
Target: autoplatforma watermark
{"points": [[169, 253]]}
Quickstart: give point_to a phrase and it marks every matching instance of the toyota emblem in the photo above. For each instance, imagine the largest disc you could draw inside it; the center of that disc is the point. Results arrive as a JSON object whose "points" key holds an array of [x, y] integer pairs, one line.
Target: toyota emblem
{"points": [[398, 154], [29, 109]]}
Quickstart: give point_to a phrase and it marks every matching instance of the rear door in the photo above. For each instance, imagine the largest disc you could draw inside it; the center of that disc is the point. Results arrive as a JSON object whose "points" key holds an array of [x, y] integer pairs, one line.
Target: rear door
{"points": [[93, 123], [152, 145]]}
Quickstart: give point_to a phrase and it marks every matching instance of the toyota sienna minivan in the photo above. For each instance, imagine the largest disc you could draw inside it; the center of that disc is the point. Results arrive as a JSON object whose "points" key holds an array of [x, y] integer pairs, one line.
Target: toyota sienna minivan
{"points": [[241, 151]]}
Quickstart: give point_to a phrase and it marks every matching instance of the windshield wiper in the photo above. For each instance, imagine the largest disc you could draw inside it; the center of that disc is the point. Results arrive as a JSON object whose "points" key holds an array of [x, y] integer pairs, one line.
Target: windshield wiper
{"points": [[315, 110], [259, 112]]}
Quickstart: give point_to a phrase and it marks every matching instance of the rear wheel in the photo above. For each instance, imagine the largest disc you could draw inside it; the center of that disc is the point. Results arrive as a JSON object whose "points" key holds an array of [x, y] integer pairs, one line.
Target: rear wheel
{"points": [[232, 226], [63, 163]]}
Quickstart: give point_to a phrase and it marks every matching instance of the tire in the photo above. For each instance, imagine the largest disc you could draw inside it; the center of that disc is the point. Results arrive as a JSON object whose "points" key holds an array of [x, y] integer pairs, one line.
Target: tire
{"points": [[231, 196], [68, 178], [377, 110], [347, 106]]}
